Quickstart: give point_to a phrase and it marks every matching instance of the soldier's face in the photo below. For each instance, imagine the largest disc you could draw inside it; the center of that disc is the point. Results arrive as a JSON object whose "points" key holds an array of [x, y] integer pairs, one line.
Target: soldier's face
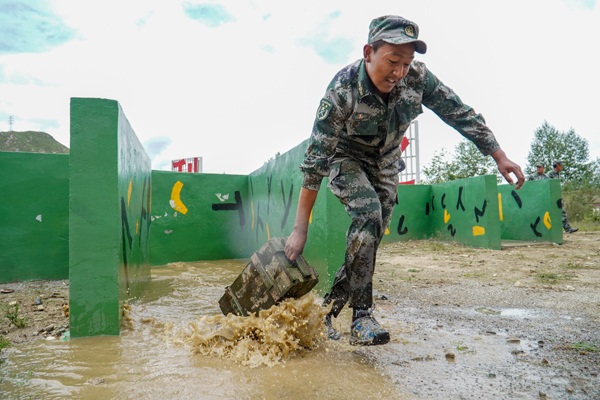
{"points": [[389, 65], [558, 167], [540, 170]]}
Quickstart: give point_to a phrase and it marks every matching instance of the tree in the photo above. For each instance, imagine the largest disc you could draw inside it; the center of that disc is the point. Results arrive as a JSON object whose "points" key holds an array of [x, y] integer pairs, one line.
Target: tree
{"points": [[550, 144], [466, 162]]}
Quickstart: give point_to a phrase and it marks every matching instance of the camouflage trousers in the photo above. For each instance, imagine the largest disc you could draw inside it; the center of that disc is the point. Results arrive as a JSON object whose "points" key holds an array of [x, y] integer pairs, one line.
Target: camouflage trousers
{"points": [[369, 194], [565, 219]]}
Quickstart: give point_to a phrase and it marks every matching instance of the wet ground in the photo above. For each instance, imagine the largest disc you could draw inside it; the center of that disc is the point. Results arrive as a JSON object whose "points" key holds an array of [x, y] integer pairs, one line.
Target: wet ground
{"points": [[520, 323], [144, 363]]}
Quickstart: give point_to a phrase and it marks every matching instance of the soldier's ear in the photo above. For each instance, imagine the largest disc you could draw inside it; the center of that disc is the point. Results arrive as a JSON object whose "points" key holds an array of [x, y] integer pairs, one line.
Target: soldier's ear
{"points": [[367, 52]]}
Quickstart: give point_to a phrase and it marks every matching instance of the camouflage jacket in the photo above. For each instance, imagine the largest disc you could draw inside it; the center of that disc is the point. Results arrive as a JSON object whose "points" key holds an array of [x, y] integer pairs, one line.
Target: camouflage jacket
{"points": [[554, 175], [353, 120], [537, 177]]}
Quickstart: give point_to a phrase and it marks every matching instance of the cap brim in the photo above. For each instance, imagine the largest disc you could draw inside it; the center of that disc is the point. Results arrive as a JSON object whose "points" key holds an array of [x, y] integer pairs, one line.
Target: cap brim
{"points": [[420, 46]]}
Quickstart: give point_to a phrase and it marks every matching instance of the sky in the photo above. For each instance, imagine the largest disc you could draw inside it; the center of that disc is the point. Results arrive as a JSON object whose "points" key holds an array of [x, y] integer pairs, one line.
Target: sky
{"points": [[236, 82]]}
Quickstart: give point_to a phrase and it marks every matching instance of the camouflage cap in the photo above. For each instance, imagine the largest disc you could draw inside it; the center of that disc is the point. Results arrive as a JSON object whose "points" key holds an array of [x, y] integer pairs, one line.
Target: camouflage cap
{"points": [[556, 162], [541, 164], [396, 30]]}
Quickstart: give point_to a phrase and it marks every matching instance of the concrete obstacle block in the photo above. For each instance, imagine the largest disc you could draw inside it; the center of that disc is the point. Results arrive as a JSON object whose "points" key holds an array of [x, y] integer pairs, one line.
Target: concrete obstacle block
{"points": [[109, 224]]}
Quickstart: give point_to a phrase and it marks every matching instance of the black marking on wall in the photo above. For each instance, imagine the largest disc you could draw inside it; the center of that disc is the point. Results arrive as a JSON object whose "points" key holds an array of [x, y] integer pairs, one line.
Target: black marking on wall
{"points": [[238, 205], [432, 204], [534, 227], [269, 180], [286, 205], [145, 214], [400, 230], [460, 203], [480, 213], [126, 235], [452, 230], [559, 203], [517, 199], [443, 199], [259, 221], [427, 209]]}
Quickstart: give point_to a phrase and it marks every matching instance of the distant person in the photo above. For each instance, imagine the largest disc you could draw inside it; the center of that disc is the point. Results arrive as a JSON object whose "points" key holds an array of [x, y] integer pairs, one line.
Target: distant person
{"points": [[539, 173], [355, 141], [555, 174]]}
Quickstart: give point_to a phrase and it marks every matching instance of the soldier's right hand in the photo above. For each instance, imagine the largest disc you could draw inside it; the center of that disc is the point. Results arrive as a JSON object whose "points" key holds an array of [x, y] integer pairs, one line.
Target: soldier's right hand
{"points": [[295, 245]]}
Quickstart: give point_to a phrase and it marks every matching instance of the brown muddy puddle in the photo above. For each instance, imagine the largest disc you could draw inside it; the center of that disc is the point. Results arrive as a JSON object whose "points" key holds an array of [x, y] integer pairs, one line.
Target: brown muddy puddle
{"points": [[160, 354]]}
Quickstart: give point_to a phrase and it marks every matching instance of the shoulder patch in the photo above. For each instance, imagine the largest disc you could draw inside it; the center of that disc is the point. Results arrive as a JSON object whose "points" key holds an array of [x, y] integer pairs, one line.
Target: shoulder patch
{"points": [[324, 109]]}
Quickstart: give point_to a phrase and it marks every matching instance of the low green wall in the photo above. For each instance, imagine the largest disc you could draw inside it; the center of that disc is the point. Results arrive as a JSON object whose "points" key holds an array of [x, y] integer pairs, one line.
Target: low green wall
{"points": [[109, 225], [467, 211], [34, 215], [532, 213], [199, 217]]}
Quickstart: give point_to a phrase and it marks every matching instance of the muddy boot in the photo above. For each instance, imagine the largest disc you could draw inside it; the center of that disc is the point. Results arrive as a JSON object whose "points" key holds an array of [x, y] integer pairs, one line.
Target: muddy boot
{"points": [[365, 331], [572, 230], [331, 332]]}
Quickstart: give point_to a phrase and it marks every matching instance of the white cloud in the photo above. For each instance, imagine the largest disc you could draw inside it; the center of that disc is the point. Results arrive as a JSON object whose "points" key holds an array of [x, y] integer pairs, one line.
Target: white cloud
{"points": [[242, 91]]}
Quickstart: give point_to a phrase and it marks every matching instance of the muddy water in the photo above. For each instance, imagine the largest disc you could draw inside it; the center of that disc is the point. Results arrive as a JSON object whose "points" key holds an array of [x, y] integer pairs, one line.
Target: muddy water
{"points": [[158, 355]]}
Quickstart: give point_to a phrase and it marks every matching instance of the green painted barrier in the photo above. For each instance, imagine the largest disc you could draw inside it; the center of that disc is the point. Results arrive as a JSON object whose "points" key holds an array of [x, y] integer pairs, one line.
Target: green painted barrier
{"points": [[532, 213], [467, 211], [34, 215], [199, 217], [109, 225]]}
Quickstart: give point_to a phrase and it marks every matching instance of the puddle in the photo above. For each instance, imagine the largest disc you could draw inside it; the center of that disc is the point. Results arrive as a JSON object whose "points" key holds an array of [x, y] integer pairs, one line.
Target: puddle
{"points": [[148, 361], [519, 313], [509, 312]]}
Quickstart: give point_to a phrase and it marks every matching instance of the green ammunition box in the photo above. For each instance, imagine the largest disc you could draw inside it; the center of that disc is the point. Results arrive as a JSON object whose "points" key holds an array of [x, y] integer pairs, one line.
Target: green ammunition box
{"points": [[268, 278]]}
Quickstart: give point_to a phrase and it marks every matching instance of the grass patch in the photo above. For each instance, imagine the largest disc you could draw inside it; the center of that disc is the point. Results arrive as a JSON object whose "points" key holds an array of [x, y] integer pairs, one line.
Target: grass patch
{"points": [[573, 266], [549, 277], [4, 343], [414, 270], [11, 312], [585, 346], [587, 226]]}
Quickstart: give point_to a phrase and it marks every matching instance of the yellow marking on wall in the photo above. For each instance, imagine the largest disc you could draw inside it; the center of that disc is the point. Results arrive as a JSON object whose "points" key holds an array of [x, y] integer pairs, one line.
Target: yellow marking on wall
{"points": [[446, 216], [129, 192], [478, 230], [175, 201], [387, 231], [547, 220], [500, 205], [252, 208], [137, 226], [268, 234], [310, 218]]}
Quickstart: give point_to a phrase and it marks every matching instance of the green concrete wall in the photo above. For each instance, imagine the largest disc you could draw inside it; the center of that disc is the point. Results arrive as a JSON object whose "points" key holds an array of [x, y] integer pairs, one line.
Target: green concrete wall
{"points": [[109, 225], [199, 217], [34, 214], [412, 217], [467, 211], [533, 212]]}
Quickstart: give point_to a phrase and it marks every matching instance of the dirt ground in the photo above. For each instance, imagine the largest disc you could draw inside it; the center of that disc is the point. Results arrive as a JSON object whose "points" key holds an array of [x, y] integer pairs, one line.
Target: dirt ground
{"points": [[45, 319], [521, 322]]}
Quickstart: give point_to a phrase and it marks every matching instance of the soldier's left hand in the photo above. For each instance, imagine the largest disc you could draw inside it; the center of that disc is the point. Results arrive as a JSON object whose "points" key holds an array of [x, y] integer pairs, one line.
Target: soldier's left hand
{"points": [[506, 167]]}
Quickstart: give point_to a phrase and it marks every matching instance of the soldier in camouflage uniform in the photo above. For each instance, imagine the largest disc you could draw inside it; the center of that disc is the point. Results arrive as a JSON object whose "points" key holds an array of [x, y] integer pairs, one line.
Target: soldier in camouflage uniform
{"points": [[555, 174], [539, 173], [359, 125]]}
